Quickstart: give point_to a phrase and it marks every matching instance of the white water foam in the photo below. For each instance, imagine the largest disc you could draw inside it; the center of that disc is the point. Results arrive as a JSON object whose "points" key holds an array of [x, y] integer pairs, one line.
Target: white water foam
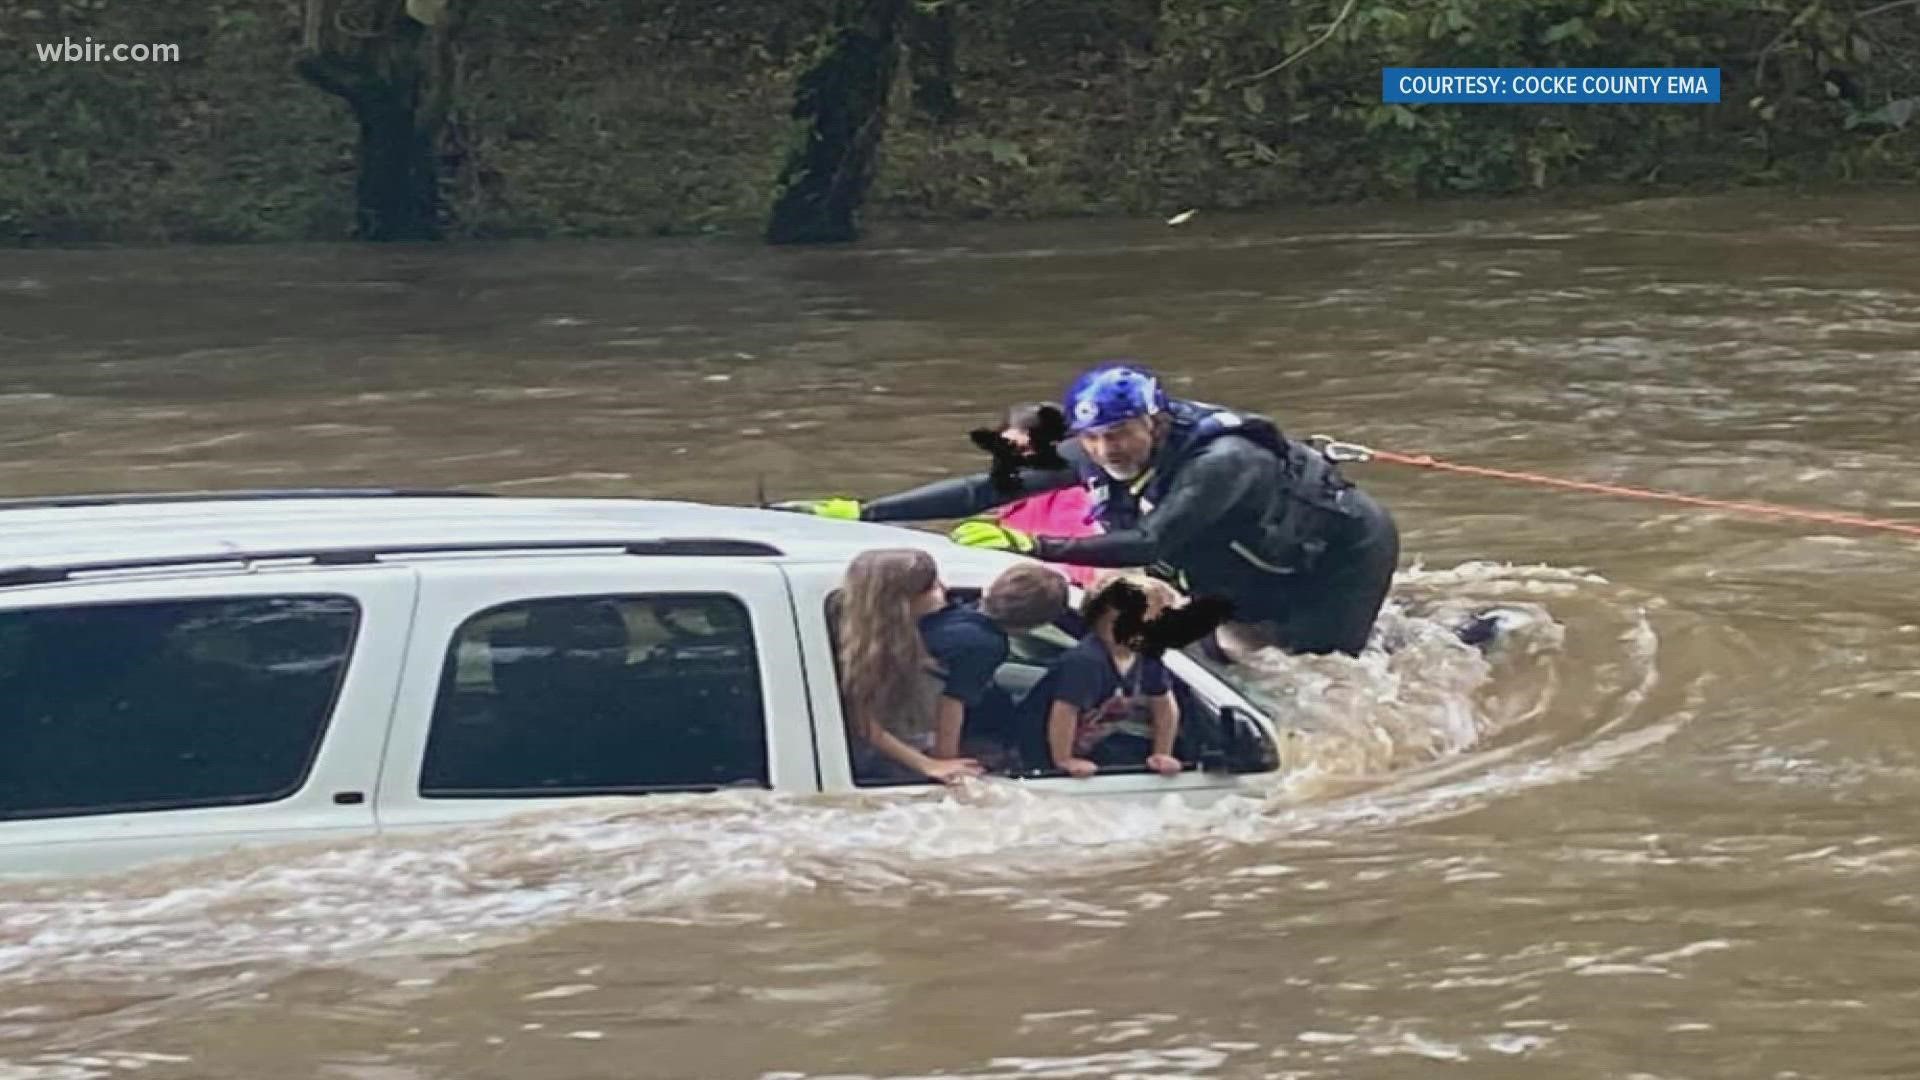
{"points": [[1390, 736]]}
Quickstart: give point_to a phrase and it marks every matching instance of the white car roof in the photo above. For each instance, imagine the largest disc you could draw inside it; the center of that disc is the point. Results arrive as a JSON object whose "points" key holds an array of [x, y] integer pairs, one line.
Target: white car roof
{"points": [[145, 528]]}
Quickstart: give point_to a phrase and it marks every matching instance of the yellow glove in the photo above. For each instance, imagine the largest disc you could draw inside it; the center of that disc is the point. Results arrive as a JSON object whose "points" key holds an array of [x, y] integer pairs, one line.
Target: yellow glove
{"points": [[839, 509], [991, 535]]}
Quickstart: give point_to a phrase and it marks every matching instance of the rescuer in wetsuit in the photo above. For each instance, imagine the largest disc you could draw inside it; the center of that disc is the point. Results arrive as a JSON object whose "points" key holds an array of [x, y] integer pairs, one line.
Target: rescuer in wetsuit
{"points": [[1214, 501]]}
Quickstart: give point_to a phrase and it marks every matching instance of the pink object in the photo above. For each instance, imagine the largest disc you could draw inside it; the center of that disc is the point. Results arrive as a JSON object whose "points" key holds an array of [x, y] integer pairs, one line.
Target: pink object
{"points": [[1055, 513]]}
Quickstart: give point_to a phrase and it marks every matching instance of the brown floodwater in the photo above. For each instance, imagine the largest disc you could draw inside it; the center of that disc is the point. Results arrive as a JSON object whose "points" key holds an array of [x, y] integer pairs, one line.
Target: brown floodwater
{"points": [[1669, 828]]}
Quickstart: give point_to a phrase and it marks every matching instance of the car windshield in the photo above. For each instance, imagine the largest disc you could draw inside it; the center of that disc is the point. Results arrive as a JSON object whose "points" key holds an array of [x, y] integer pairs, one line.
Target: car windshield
{"points": [[1240, 680]]}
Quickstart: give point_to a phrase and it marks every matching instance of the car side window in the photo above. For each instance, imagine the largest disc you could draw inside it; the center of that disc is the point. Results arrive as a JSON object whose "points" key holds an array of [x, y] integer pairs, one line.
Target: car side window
{"points": [[1002, 731], [166, 705], [599, 695]]}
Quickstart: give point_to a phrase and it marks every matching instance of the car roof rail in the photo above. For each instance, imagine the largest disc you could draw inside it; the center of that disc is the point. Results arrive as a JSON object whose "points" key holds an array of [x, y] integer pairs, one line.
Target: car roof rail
{"points": [[360, 555], [158, 498]]}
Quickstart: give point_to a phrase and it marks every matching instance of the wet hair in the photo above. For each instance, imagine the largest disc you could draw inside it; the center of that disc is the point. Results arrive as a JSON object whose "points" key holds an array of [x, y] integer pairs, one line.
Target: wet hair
{"points": [[880, 652], [1109, 593], [1129, 595], [1044, 425], [1026, 415], [1025, 596]]}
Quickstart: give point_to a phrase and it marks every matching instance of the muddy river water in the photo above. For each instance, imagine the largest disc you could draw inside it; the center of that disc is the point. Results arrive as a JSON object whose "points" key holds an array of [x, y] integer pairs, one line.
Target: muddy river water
{"points": [[1670, 829]]}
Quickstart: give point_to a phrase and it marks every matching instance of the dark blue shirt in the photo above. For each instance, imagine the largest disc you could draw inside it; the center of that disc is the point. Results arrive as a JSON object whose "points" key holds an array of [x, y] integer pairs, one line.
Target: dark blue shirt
{"points": [[968, 647], [1104, 700]]}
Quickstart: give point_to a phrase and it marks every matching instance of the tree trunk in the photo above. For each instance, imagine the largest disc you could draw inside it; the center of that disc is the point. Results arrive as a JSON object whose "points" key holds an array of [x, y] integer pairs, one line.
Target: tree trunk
{"points": [[929, 34], [843, 100], [394, 63], [399, 187]]}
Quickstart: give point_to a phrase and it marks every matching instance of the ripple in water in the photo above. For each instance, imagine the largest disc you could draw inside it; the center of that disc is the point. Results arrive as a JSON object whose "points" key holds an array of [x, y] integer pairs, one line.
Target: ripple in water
{"points": [[1430, 726]]}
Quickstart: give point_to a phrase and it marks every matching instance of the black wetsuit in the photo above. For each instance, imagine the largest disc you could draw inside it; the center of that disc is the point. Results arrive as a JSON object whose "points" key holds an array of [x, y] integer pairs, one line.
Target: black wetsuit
{"points": [[1230, 507]]}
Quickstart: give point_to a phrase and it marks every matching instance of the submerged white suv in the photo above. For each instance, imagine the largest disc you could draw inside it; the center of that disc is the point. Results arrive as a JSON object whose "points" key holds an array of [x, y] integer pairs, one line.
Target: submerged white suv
{"points": [[184, 673]]}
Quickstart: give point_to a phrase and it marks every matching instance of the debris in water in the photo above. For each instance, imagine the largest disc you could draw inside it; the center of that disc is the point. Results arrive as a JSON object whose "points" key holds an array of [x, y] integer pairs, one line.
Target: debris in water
{"points": [[1515, 1044], [1424, 1047], [567, 991]]}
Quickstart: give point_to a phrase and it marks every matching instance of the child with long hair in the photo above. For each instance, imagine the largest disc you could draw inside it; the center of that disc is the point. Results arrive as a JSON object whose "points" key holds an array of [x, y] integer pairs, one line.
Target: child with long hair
{"points": [[889, 686]]}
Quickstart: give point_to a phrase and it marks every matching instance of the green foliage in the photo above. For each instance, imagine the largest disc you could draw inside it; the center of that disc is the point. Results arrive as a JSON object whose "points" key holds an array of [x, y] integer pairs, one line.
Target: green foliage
{"points": [[225, 145], [640, 117], [1327, 104]]}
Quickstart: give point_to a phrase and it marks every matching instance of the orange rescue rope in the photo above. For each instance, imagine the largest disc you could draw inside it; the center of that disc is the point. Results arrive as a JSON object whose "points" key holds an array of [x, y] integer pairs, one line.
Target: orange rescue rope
{"points": [[1345, 451]]}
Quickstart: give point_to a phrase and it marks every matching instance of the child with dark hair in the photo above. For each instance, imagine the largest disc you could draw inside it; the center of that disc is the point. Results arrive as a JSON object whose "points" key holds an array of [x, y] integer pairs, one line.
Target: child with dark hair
{"points": [[1064, 512], [968, 643], [1106, 700]]}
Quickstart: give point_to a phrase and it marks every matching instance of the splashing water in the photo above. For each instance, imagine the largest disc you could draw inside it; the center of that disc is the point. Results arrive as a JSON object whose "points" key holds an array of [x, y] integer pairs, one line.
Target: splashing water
{"points": [[1397, 731]]}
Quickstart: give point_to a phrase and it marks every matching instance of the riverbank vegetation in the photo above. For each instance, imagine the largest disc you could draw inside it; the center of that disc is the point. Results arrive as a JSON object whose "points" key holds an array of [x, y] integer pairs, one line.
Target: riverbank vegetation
{"points": [[557, 118]]}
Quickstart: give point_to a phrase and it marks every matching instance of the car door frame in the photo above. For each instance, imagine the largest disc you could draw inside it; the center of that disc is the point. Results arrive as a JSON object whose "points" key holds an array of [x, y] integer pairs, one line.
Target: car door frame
{"points": [[334, 799], [811, 584], [455, 590]]}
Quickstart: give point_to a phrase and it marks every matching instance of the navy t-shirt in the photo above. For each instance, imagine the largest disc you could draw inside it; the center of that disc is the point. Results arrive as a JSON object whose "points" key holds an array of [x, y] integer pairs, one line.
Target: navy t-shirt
{"points": [[1086, 678], [968, 647]]}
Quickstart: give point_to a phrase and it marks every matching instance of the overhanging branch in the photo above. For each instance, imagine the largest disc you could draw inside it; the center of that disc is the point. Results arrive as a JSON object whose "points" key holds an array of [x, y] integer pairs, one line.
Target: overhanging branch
{"points": [[1304, 50]]}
